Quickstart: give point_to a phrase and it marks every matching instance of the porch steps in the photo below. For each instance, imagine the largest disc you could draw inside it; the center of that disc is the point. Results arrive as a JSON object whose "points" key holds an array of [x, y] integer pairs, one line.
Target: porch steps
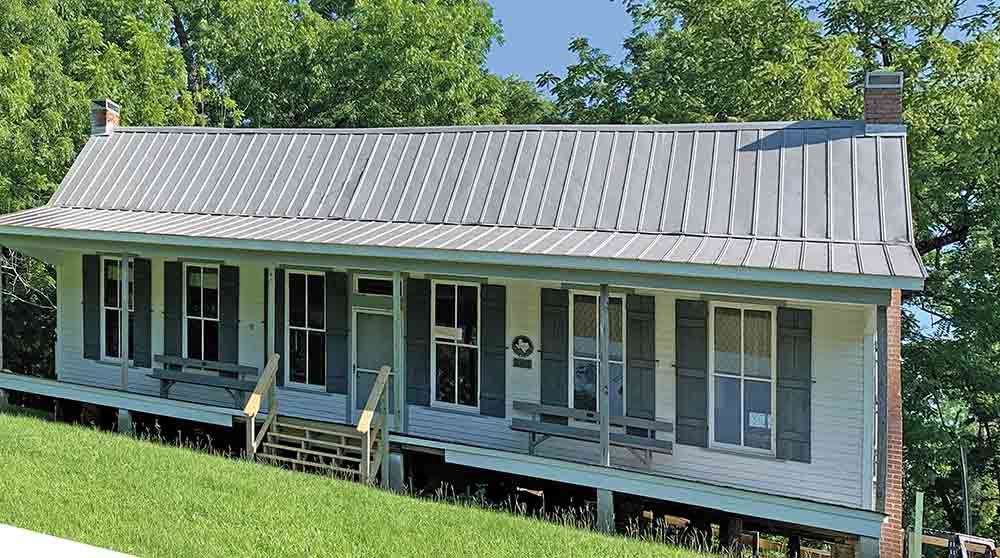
{"points": [[317, 447]]}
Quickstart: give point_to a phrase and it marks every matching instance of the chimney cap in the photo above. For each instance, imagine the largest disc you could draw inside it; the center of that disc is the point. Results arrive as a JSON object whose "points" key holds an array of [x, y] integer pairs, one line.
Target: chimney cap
{"points": [[106, 104], [884, 80]]}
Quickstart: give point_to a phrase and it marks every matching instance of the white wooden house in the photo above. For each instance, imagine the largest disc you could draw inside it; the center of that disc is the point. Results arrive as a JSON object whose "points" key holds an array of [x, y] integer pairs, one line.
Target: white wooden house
{"points": [[704, 314]]}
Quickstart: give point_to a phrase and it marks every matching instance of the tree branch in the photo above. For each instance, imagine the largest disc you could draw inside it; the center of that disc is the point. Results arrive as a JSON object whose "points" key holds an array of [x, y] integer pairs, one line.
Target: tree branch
{"points": [[929, 245]]}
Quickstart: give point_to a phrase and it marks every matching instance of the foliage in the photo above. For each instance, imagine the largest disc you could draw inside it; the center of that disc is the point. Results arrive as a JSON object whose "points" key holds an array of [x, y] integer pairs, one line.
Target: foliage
{"points": [[150, 500], [780, 59]]}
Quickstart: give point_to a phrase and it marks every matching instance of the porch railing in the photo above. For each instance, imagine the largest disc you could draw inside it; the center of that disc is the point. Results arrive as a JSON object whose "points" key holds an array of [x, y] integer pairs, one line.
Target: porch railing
{"points": [[373, 426], [265, 386]]}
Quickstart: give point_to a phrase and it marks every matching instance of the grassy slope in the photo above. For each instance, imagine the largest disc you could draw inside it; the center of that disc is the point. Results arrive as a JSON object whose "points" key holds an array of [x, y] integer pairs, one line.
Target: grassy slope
{"points": [[150, 500]]}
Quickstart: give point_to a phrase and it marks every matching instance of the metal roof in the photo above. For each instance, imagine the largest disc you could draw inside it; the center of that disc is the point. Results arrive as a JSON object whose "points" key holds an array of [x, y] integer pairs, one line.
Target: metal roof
{"points": [[819, 196]]}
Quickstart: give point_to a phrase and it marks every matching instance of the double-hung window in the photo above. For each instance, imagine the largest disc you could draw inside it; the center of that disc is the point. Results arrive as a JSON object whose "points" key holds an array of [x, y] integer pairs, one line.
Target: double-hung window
{"points": [[306, 335], [111, 301], [742, 379], [455, 320], [201, 312], [586, 356]]}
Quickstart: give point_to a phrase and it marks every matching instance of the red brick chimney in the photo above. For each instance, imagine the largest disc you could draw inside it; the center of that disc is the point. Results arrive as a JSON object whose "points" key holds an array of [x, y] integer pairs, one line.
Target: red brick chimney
{"points": [[883, 98], [104, 117]]}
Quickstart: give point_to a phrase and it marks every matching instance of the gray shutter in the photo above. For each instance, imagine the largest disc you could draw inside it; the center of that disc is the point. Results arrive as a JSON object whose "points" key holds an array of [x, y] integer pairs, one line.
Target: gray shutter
{"points": [[92, 306], [337, 328], [418, 341], [555, 350], [794, 401], [142, 334], [229, 315], [493, 339], [692, 372], [173, 310], [640, 372], [279, 323]]}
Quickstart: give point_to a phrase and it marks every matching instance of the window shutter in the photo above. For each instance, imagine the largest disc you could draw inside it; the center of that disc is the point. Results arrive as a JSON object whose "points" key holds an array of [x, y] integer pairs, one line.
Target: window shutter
{"points": [[640, 372], [555, 350], [418, 341], [493, 366], [279, 323], [92, 306], [173, 308], [229, 315], [337, 328], [794, 400], [142, 330], [692, 372]]}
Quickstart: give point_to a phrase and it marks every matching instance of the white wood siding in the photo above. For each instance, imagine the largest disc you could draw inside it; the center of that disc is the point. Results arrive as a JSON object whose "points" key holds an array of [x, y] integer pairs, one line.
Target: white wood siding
{"points": [[840, 403]]}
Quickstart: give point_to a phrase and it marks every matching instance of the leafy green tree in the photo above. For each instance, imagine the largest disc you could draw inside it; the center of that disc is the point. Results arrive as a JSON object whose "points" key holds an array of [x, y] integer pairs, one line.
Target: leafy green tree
{"points": [[779, 59]]}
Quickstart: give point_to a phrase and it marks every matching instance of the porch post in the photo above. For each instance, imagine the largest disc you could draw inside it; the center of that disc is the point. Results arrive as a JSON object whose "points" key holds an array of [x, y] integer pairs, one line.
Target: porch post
{"points": [[398, 374], [602, 378], [1, 315], [270, 316], [123, 320]]}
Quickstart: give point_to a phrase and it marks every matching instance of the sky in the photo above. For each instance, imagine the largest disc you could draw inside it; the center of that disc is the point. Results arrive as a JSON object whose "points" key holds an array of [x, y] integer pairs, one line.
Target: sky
{"points": [[537, 33]]}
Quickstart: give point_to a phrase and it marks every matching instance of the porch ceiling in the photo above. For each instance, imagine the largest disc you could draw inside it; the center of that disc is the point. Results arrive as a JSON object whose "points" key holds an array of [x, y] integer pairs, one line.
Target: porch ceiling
{"points": [[824, 262]]}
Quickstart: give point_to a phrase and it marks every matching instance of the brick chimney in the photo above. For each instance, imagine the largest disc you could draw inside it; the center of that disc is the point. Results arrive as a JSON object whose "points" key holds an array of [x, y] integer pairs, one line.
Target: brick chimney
{"points": [[883, 98], [104, 117]]}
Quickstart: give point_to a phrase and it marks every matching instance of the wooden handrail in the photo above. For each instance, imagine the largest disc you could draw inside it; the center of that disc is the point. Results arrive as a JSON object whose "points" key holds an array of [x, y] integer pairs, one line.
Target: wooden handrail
{"points": [[264, 383], [381, 384]]}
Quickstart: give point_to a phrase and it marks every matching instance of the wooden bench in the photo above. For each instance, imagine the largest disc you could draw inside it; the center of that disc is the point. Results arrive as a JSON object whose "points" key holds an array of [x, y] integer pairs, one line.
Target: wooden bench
{"points": [[234, 381], [540, 430]]}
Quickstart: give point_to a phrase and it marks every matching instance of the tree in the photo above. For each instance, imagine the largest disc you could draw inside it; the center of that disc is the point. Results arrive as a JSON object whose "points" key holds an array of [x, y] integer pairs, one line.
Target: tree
{"points": [[690, 61]]}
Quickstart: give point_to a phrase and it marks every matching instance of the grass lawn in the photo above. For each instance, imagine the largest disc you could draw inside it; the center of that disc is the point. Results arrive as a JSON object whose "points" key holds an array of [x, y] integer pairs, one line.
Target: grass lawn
{"points": [[151, 500]]}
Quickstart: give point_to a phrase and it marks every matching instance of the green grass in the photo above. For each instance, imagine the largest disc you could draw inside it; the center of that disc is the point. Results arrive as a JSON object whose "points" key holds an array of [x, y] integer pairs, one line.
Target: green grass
{"points": [[152, 500]]}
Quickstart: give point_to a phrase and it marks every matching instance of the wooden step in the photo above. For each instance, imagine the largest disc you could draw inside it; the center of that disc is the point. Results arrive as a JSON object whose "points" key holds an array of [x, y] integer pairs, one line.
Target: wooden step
{"points": [[328, 455], [312, 464], [315, 441]]}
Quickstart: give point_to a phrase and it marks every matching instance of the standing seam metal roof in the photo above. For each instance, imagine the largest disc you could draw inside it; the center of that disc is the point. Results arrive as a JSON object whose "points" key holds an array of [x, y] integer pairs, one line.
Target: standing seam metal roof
{"points": [[711, 191]]}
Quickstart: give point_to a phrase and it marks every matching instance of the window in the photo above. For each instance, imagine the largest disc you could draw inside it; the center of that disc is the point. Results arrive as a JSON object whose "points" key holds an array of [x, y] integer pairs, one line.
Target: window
{"points": [[201, 312], [306, 335], [585, 348], [455, 320], [111, 302], [375, 286], [743, 377]]}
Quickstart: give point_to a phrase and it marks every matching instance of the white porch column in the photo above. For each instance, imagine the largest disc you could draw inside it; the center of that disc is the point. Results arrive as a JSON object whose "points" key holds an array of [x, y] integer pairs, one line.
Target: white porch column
{"points": [[1, 319], [271, 318], [398, 348], [602, 378], [123, 301]]}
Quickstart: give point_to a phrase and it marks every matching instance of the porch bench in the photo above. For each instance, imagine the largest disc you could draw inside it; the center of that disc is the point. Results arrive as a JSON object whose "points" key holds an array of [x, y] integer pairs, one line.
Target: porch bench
{"points": [[236, 387], [547, 429]]}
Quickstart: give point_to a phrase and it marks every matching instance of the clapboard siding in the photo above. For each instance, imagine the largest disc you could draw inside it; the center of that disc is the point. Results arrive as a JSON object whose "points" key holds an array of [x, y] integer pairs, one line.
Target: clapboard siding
{"points": [[835, 474]]}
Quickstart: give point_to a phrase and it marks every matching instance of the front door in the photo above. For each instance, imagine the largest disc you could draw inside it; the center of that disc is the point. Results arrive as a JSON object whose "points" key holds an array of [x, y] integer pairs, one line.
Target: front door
{"points": [[373, 349]]}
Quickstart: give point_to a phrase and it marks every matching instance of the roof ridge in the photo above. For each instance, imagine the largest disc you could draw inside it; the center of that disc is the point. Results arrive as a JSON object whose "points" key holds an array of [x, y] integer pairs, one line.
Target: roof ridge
{"points": [[693, 126]]}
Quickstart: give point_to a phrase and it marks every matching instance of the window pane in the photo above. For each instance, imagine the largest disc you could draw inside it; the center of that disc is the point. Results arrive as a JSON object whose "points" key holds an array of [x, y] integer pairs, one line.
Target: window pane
{"points": [[444, 305], [317, 302], [194, 291], [296, 299], [585, 385], [111, 285], [727, 341], [445, 379], [727, 410], [757, 343], [297, 362], [585, 326], [468, 313], [616, 390], [111, 333], [194, 339], [758, 415], [615, 329], [317, 358], [370, 286], [211, 347], [210, 292], [374, 340], [468, 376]]}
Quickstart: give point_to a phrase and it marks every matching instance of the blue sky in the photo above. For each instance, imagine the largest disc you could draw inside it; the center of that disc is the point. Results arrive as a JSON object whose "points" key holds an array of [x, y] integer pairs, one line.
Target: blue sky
{"points": [[538, 33]]}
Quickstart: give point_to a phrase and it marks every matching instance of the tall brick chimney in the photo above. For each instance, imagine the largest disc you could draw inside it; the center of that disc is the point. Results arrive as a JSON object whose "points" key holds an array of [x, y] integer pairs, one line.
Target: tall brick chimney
{"points": [[883, 98], [104, 117]]}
